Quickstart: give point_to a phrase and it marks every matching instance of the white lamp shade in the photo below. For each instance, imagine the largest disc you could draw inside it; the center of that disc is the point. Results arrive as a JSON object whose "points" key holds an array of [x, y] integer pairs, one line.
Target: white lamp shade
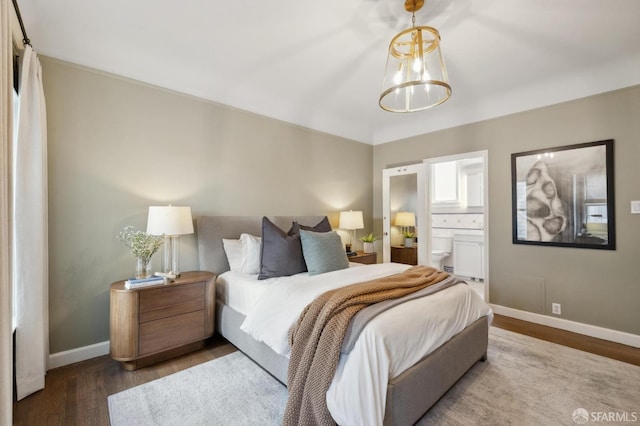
{"points": [[169, 220], [351, 220], [405, 219]]}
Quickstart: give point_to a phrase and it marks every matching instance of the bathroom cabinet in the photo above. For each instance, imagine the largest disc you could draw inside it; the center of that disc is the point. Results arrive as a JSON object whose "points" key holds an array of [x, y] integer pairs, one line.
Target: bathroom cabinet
{"points": [[468, 256]]}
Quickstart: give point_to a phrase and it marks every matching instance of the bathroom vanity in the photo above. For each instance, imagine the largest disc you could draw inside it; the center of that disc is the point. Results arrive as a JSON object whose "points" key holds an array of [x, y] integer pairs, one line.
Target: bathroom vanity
{"points": [[468, 255]]}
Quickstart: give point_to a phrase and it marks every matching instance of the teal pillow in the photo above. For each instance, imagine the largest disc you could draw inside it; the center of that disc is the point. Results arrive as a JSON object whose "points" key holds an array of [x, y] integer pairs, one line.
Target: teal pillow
{"points": [[323, 251]]}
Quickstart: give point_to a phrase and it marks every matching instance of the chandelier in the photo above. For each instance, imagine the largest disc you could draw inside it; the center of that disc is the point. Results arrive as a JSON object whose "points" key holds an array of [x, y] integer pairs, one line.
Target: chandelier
{"points": [[415, 77]]}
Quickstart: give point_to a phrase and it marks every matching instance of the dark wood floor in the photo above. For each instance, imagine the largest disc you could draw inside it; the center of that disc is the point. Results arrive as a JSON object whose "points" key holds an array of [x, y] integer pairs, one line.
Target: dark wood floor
{"points": [[77, 394], [573, 340]]}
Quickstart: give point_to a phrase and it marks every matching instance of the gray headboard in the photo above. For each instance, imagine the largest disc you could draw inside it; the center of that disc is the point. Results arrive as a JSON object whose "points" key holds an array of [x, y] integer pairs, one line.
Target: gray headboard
{"points": [[212, 229]]}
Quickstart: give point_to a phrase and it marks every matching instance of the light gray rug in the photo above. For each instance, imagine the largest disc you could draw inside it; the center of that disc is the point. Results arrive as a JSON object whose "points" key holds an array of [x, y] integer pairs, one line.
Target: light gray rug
{"points": [[528, 381], [231, 390], [525, 381]]}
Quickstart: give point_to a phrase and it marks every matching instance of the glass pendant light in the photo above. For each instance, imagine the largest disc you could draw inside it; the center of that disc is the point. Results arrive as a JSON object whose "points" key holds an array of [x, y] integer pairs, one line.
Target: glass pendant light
{"points": [[415, 76]]}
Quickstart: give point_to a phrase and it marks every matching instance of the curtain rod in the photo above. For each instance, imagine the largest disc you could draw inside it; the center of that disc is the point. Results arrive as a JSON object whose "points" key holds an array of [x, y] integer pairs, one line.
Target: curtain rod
{"points": [[25, 40]]}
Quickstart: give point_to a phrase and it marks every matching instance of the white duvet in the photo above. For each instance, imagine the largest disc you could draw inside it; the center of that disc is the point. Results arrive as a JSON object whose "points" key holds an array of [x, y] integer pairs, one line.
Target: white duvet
{"points": [[388, 345]]}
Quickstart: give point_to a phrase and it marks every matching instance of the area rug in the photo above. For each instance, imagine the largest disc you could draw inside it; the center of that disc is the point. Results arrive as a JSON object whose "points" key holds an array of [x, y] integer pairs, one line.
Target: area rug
{"points": [[525, 381], [231, 390]]}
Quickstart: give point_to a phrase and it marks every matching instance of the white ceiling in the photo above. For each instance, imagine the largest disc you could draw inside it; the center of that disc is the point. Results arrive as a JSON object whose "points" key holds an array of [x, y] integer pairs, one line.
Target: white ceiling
{"points": [[319, 64]]}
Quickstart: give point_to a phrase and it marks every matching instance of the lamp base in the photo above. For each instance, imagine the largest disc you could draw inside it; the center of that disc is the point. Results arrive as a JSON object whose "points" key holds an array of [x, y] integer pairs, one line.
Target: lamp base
{"points": [[171, 260]]}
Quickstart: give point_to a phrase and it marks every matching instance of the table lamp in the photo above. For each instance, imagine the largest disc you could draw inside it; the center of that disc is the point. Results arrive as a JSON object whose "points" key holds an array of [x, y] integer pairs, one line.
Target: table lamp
{"points": [[351, 220], [405, 219], [170, 222]]}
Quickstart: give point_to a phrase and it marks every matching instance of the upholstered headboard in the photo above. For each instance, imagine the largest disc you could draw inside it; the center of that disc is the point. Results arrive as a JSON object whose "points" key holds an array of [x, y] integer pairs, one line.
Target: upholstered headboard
{"points": [[212, 229]]}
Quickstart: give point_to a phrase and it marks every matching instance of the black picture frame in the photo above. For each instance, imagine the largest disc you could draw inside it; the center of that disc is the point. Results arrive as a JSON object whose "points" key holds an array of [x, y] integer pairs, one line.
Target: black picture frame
{"points": [[564, 196]]}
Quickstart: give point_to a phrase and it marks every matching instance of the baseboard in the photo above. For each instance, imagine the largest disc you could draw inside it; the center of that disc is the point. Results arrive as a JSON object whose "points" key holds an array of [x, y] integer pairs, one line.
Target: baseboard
{"points": [[576, 327], [71, 356]]}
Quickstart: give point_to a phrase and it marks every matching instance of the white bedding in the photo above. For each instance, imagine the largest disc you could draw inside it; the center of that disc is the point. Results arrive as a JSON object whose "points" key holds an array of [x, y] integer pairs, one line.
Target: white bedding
{"points": [[241, 291], [388, 345]]}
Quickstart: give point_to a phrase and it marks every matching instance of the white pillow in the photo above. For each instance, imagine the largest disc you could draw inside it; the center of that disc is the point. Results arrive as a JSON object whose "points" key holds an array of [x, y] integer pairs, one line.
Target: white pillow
{"points": [[233, 250], [250, 254]]}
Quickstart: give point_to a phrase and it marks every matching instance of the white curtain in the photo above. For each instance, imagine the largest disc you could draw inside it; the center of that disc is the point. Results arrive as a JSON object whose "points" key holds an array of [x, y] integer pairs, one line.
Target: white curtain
{"points": [[30, 230], [6, 106]]}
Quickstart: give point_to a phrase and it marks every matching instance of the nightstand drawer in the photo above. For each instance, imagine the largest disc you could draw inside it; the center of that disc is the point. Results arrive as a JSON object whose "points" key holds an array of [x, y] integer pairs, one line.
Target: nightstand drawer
{"points": [[155, 336], [406, 255], [165, 302]]}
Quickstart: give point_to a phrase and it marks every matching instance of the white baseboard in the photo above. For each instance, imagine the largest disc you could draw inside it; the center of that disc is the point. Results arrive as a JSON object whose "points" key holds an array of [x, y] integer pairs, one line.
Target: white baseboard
{"points": [[576, 327], [79, 354]]}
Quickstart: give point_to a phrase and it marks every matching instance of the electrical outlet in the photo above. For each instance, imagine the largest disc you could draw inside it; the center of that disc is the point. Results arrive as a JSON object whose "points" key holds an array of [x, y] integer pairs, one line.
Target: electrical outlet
{"points": [[556, 309]]}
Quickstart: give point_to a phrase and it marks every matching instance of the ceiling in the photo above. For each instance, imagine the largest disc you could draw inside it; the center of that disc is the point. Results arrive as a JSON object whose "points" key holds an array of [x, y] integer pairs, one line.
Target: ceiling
{"points": [[319, 64]]}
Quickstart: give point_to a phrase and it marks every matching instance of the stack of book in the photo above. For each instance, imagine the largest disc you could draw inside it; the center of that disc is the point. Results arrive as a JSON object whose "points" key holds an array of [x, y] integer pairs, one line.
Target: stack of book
{"points": [[143, 282]]}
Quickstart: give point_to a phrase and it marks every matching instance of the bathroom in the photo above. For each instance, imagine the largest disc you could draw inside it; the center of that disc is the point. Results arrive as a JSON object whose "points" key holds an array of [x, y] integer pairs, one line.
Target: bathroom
{"points": [[457, 213], [441, 200]]}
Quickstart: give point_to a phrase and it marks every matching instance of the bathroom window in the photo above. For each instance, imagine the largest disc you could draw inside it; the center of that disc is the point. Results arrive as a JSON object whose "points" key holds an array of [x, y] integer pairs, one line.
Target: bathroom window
{"points": [[445, 182]]}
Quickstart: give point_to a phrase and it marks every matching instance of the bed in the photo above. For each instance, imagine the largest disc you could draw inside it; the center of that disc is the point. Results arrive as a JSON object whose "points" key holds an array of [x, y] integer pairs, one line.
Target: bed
{"points": [[409, 394]]}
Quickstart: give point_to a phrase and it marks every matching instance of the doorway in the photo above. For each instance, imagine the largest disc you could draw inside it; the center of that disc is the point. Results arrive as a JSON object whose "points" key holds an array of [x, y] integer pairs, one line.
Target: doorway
{"points": [[457, 217]]}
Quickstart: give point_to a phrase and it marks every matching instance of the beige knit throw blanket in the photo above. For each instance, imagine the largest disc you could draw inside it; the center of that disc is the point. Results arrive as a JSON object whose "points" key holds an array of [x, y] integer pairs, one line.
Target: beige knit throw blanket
{"points": [[316, 339]]}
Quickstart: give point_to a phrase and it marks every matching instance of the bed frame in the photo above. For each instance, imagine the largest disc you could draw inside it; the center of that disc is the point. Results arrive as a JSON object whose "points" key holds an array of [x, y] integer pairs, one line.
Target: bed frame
{"points": [[409, 395]]}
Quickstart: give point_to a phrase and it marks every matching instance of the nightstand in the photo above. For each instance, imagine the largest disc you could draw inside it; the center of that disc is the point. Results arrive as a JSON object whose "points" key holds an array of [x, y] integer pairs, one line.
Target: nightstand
{"points": [[152, 324], [362, 257], [402, 254]]}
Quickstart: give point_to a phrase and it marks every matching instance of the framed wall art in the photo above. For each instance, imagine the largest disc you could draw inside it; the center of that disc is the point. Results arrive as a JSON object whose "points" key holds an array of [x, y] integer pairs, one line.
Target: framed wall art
{"points": [[564, 196]]}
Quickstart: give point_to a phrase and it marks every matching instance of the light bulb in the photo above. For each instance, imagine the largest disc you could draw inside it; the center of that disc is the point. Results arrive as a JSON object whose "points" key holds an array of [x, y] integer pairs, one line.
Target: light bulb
{"points": [[397, 78], [417, 64]]}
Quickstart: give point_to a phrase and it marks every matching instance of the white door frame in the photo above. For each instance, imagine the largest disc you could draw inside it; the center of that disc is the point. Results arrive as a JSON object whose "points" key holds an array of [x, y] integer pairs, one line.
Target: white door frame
{"points": [[421, 214]]}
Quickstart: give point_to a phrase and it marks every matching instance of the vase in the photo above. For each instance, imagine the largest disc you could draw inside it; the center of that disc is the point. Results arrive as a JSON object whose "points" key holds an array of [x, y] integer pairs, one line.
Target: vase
{"points": [[143, 268], [367, 247], [408, 242]]}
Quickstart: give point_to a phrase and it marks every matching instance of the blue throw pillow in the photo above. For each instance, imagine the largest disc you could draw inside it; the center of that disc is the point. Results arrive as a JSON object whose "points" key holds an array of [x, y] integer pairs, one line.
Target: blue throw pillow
{"points": [[323, 251]]}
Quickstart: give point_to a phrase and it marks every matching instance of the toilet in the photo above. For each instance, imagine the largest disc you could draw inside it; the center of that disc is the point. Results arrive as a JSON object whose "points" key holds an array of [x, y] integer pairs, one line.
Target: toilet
{"points": [[441, 247]]}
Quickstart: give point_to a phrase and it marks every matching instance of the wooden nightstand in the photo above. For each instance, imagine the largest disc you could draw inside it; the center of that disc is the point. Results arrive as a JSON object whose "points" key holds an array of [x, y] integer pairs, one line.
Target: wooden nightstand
{"points": [[366, 258], [152, 324], [407, 255]]}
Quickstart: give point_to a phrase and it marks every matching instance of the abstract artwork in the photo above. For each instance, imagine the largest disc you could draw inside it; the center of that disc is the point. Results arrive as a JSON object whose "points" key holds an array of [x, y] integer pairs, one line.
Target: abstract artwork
{"points": [[563, 196]]}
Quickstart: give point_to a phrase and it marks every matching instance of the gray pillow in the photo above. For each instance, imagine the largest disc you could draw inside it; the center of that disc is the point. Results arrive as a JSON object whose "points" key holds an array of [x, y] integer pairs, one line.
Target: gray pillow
{"points": [[322, 226], [323, 251], [281, 253]]}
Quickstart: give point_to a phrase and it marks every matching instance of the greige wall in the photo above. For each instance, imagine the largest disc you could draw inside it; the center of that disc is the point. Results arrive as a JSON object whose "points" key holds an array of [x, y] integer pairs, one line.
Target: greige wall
{"points": [[594, 286], [117, 146]]}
